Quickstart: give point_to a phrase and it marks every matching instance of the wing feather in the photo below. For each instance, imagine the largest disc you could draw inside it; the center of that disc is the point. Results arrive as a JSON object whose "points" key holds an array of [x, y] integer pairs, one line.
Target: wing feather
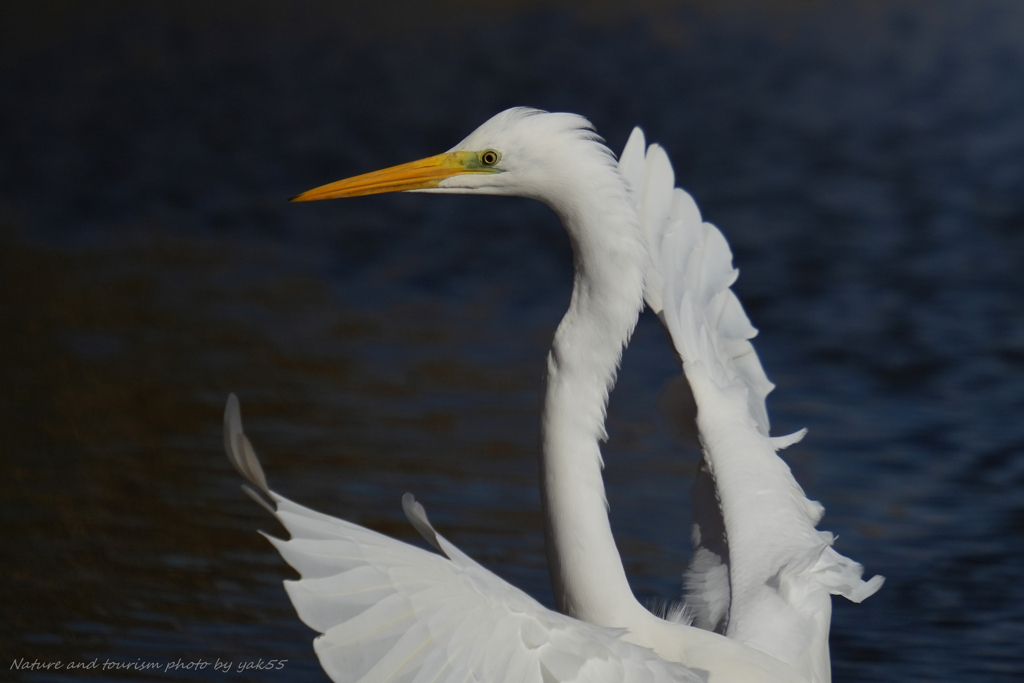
{"points": [[762, 574], [389, 612]]}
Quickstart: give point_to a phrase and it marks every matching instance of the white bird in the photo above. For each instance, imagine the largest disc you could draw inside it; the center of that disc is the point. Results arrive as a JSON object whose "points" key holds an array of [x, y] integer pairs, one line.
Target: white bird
{"points": [[761, 575]]}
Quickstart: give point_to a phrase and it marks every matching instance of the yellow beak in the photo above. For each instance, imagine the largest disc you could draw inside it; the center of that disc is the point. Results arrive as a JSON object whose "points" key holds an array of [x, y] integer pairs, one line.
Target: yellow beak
{"points": [[415, 175]]}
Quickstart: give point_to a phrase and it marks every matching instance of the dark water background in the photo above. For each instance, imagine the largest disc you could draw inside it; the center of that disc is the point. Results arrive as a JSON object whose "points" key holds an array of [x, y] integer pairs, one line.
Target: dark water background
{"points": [[865, 160]]}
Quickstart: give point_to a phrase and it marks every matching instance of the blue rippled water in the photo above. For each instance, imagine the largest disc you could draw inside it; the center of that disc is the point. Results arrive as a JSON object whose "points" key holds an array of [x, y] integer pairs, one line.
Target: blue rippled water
{"points": [[864, 159]]}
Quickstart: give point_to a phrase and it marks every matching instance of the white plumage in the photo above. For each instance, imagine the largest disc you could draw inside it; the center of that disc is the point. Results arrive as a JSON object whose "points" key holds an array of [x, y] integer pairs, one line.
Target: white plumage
{"points": [[389, 611], [762, 575]]}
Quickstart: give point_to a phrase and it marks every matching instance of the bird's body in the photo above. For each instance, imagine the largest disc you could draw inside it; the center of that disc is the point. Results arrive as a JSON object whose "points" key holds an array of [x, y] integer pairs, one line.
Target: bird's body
{"points": [[762, 574]]}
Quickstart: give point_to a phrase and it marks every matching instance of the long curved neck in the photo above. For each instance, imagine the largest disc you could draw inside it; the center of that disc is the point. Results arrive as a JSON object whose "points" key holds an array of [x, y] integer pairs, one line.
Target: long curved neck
{"points": [[587, 575]]}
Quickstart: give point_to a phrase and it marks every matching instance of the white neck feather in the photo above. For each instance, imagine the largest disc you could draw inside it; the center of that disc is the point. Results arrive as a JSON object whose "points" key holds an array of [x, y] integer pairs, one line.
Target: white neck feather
{"points": [[609, 258]]}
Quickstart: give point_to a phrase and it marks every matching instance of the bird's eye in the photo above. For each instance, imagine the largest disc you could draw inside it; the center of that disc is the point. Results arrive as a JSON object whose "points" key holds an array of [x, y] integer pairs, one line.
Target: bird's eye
{"points": [[489, 157]]}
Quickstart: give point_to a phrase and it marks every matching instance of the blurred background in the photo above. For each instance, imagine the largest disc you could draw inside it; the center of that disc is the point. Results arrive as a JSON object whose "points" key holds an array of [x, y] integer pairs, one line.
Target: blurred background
{"points": [[865, 159]]}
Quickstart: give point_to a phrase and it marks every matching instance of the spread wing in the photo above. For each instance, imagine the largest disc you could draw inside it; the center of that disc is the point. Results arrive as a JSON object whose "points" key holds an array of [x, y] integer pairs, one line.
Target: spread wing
{"points": [[390, 612], [761, 573]]}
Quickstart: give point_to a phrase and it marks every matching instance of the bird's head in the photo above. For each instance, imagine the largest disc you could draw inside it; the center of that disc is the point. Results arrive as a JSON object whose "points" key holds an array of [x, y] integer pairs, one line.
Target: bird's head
{"points": [[522, 152]]}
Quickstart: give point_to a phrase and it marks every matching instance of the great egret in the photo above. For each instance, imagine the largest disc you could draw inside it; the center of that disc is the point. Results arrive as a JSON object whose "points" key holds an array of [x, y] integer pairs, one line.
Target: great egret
{"points": [[762, 574]]}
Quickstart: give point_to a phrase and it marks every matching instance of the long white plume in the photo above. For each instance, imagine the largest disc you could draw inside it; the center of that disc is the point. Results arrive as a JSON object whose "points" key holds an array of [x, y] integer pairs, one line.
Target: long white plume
{"points": [[762, 574]]}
